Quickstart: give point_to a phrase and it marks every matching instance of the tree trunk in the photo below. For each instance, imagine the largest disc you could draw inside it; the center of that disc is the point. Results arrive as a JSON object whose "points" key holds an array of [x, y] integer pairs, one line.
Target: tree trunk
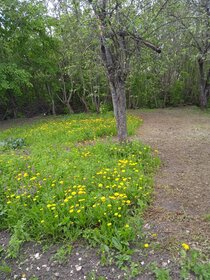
{"points": [[82, 98], [119, 104], [53, 107], [71, 111], [52, 98], [203, 98]]}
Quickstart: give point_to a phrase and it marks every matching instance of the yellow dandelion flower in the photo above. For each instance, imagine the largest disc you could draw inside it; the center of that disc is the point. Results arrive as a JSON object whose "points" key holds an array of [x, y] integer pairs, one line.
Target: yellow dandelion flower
{"points": [[109, 224], [146, 245], [185, 246]]}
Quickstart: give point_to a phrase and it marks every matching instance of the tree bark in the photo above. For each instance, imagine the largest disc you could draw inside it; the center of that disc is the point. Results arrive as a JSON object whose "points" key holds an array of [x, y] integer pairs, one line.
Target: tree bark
{"points": [[71, 111], [203, 98], [119, 104], [82, 98], [52, 98], [53, 107]]}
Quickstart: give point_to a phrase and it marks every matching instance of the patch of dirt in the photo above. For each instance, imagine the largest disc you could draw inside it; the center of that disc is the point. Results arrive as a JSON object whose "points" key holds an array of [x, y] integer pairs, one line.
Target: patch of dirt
{"points": [[177, 215], [21, 121], [182, 186]]}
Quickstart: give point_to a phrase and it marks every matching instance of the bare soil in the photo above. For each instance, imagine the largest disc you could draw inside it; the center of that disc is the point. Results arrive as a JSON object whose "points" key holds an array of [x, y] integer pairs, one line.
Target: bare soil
{"points": [[178, 212], [182, 186]]}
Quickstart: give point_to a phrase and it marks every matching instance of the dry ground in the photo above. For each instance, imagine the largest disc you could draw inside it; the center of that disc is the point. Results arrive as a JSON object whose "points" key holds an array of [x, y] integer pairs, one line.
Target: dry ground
{"points": [[182, 186], [178, 213]]}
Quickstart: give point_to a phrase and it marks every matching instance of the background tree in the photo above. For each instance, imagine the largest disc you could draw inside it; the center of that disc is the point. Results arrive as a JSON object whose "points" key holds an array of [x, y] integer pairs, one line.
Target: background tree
{"points": [[194, 18]]}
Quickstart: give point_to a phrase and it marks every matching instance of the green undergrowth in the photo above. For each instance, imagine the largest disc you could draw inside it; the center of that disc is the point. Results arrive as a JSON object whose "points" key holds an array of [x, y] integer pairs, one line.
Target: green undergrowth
{"points": [[194, 263], [63, 185]]}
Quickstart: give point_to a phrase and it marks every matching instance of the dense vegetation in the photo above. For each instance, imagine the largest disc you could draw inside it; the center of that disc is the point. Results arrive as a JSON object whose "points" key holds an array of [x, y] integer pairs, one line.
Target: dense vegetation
{"points": [[56, 184], [50, 57]]}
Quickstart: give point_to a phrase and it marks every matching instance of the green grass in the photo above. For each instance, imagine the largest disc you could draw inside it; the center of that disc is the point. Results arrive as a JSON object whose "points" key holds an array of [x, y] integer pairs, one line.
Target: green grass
{"points": [[194, 263], [207, 218], [64, 185]]}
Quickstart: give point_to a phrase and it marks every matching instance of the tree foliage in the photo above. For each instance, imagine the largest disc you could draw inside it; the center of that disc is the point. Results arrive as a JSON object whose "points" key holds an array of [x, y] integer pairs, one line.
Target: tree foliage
{"points": [[53, 56]]}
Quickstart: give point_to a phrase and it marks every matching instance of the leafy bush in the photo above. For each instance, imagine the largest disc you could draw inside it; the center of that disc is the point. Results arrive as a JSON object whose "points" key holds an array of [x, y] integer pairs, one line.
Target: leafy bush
{"points": [[11, 143]]}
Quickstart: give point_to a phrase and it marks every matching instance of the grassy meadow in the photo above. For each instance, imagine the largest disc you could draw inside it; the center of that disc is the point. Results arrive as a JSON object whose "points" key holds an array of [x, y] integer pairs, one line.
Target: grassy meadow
{"points": [[59, 181]]}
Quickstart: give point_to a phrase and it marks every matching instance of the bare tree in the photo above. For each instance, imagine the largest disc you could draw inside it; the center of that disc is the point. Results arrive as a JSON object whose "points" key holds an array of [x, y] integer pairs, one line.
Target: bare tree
{"points": [[118, 39]]}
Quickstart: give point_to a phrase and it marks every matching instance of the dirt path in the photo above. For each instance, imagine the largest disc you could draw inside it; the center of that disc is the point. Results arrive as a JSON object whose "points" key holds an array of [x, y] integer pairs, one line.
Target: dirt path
{"points": [[182, 186]]}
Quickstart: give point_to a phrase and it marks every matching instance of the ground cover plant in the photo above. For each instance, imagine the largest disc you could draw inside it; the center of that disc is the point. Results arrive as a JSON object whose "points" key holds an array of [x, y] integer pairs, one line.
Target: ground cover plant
{"points": [[65, 183]]}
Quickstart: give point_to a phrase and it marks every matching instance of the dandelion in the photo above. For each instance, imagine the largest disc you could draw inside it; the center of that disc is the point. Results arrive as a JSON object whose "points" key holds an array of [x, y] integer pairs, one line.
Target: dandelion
{"points": [[33, 178], [146, 245], [185, 246], [127, 226], [109, 224]]}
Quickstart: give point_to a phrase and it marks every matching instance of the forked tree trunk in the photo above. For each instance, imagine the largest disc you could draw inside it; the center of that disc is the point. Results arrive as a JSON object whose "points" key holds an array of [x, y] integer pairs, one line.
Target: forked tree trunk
{"points": [[82, 98], [70, 109]]}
